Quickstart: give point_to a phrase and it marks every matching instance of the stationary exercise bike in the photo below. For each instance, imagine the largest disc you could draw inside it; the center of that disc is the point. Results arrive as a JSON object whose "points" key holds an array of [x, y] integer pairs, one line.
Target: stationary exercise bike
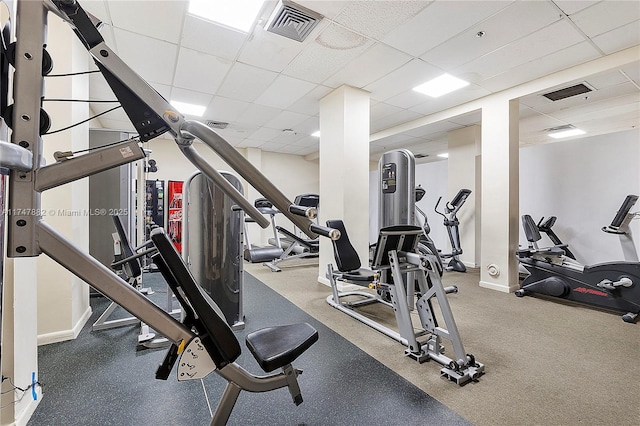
{"points": [[451, 222], [611, 285]]}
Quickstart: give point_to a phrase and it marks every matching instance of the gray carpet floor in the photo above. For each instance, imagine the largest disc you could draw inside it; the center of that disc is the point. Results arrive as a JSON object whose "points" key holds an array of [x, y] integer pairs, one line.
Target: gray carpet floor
{"points": [[547, 363]]}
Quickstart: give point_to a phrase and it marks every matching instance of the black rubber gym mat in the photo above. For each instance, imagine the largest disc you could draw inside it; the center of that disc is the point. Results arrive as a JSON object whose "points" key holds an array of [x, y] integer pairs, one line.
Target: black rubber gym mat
{"points": [[100, 379]]}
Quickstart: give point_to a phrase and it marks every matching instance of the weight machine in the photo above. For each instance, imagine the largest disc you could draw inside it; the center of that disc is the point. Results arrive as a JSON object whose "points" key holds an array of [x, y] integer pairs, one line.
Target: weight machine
{"points": [[203, 341], [397, 256]]}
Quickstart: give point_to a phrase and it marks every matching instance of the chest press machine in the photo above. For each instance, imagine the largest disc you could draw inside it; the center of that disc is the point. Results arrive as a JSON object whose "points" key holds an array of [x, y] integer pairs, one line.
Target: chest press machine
{"points": [[203, 341]]}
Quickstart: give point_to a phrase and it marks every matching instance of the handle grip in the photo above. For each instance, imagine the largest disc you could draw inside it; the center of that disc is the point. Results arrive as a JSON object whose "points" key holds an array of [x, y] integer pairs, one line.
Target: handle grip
{"points": [[308, 212], [334, 234]]}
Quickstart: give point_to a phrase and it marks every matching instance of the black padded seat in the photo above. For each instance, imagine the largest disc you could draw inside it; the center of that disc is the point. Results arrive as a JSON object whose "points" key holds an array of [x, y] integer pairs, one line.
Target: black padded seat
{"points": [[361, 275], [276, 347]]}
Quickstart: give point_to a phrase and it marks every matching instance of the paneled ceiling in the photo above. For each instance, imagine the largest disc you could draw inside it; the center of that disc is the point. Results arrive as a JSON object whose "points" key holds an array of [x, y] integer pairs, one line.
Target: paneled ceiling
{"points": [[268, 87]]}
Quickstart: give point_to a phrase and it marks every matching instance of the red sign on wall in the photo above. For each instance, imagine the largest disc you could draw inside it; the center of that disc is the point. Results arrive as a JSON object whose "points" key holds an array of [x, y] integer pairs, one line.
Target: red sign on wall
{"points": [[174, 218]]}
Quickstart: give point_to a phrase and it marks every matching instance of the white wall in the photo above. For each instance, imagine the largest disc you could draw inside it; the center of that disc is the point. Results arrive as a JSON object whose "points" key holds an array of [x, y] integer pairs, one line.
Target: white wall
{"points": [[583, 182]]}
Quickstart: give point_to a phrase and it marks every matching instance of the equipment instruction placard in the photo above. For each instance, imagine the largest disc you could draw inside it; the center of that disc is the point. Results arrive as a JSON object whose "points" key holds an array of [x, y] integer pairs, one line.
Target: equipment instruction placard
{"points": [[388, 178]]}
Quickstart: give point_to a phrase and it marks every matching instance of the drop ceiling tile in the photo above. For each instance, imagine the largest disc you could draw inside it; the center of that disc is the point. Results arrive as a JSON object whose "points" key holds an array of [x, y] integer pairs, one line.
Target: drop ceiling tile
{"points": [[434, 130], [284, 91], [310, 103], [332, 49], [369, 67], [309, 126], [190, 96], [407, 99], [225, 109], [619, 38], [438, 22], [199, 71], [286, 120], [557, 36], [606, 16], [375, 19], [500, 31], [245, 82], [464, 95], [565, 58], [156, 19], [249, 143], [572, 6], [163, 89], [393, 120], [381, 110], [208, 37], [258, 115], [265, 134], [404, 78], [271, 51], [153, 59], [327, 8]]}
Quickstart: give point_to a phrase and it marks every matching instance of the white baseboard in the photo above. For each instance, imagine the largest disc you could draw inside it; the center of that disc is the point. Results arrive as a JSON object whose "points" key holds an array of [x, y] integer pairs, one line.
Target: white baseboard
{"points": [[499, 287], [64, 335], [25, 415]]}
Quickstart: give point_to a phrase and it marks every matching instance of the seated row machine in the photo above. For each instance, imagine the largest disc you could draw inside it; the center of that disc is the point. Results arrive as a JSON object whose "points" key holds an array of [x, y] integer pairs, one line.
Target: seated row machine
{"points": [[412, 281]]}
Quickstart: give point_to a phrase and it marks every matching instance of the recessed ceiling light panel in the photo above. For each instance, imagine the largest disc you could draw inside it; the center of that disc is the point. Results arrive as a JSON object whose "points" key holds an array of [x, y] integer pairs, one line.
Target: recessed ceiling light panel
{"points": [[442, 85], [189, 109], [238, 14]]}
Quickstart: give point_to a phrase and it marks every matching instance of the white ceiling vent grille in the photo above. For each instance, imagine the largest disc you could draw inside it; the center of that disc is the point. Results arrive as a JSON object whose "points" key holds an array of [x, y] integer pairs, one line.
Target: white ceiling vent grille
{"points": [[292, 20]]}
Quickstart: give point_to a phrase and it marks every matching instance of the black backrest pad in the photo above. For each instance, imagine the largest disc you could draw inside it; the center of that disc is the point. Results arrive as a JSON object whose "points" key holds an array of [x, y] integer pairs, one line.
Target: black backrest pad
{"points": [[399, 238], [530, 229], [222, 345], [346, 256], [125, 246]]}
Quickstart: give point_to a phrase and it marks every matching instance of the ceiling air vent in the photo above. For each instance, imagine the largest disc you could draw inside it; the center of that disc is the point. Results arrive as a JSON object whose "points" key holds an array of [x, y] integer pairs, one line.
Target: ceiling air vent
{"points": [[292, 20], [568, 92], [217, 124], [421, 155]]}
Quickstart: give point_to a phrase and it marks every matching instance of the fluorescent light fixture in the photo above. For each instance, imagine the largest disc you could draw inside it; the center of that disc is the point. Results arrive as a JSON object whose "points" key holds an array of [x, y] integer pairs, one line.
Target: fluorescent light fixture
{"points": [[316, 134], [189, 109], [442, 85], [565, 132], [444, 155], [238, 14]]}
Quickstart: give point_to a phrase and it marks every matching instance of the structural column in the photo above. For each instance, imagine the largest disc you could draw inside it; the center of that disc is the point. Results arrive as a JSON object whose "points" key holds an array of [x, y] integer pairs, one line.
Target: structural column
{"points": [[464, 172], [344, 169], [500, 194]]}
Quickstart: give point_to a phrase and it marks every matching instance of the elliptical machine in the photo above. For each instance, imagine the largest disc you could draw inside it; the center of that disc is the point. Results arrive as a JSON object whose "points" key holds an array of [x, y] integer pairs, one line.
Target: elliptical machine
{"points": [[451, 222], [611, 285]]}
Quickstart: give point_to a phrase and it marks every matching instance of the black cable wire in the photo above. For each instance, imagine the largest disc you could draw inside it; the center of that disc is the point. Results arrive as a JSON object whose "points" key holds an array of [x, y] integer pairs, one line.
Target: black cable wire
{"points": [[83, 121], [104, 146], [72, 74]]}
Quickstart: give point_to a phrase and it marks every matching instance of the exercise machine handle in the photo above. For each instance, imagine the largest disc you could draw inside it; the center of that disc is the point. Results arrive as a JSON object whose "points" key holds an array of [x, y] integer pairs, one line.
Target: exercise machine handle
{"points": [[247, 170], [309, 212], [334, 234]]}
